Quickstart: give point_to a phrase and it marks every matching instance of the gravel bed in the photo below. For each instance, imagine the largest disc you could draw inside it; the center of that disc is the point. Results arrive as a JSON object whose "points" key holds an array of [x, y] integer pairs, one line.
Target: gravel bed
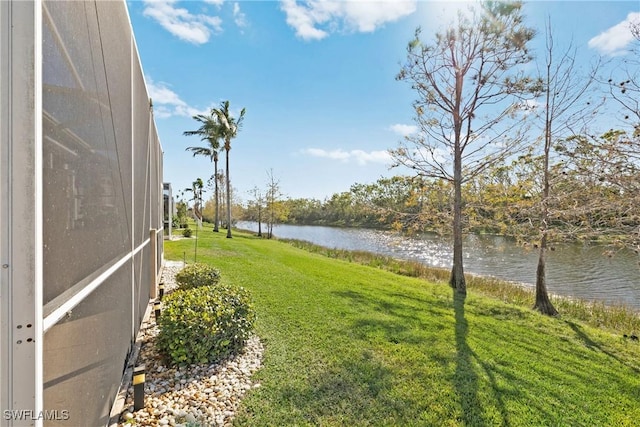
{"points": [[195, 395]]}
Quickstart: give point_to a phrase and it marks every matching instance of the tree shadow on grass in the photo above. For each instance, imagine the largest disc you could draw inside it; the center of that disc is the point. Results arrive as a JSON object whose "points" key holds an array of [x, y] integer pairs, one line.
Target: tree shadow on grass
{"points": [[397, 319], [354, 391], [400, 305], [405, 324], [484, 385], [465, 379], [593, 345]]}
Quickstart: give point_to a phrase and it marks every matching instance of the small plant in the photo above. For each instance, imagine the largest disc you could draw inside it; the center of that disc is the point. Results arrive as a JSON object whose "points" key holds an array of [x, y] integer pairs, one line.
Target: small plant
{"points": [[205, 324], [196, 275], [187, 232]]}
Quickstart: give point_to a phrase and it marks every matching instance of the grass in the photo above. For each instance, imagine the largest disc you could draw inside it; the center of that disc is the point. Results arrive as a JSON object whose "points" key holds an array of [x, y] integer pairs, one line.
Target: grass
{"points": [[617, 318], [351, 345]]}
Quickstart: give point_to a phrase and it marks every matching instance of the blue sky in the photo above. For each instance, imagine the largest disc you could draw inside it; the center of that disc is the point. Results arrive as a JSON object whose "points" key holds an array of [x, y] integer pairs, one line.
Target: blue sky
{"points": [[317, 79]]}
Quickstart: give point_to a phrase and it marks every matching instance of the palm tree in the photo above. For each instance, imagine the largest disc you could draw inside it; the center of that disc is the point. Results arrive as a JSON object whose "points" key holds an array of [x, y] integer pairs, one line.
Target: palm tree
{"points": [[227, 128], [208, 131], [196, 188]]}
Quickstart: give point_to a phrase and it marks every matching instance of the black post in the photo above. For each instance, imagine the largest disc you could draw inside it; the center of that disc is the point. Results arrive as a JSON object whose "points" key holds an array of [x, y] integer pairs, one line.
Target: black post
{"points": [[138, 388], [157, 306]]}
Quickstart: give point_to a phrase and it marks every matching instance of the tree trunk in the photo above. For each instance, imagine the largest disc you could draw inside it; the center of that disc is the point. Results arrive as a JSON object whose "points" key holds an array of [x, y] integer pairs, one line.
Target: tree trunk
{"points": [[543, 303], [259, 222], [457, 280], [457, 271], [228, 194], [216, 220]]}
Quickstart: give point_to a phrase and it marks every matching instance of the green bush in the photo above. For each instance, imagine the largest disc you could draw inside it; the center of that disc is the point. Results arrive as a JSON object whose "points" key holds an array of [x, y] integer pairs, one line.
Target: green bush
{"points": [[196, 275], [205, 324], [187, 232]]}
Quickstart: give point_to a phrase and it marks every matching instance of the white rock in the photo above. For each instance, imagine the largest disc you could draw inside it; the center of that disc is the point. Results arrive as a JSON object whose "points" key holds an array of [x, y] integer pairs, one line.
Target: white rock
{"points": [[207, 395]]}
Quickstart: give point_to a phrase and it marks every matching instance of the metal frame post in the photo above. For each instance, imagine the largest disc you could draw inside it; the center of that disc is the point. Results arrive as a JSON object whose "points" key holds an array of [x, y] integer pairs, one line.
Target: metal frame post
{"points": [[21, 252], [153, 264]]}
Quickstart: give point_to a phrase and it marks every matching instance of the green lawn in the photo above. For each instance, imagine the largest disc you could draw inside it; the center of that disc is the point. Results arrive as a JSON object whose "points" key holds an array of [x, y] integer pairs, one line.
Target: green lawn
{"points": [[351, 345]]}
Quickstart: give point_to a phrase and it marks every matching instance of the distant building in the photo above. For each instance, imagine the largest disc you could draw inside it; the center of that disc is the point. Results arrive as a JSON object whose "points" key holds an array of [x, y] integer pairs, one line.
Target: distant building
{"points": [[81, 208]]}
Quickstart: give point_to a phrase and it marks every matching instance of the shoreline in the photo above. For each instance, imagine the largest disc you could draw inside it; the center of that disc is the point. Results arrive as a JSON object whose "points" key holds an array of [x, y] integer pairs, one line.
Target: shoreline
{"points": [[561, 281]]}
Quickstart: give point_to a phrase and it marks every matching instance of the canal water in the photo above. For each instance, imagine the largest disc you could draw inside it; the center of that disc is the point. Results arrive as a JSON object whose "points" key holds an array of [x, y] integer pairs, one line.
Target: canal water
{"points": [[581, 271]]}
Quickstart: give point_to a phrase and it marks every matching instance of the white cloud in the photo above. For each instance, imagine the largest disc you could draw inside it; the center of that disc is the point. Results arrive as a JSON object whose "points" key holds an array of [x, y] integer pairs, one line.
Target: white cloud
{"points": [[167, 103], [215, 2], [332, 15], [239, 17], [367, 16], [302, 20], [532, 104], [335, 154], [403, 130], [361, 157], [614, 40], [180, 22], [161, 94]]}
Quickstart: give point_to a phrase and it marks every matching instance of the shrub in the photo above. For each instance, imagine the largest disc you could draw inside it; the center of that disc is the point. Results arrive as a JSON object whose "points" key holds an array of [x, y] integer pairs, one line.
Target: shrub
{"points": [[196, 275], [205, 324], [187, 232]]}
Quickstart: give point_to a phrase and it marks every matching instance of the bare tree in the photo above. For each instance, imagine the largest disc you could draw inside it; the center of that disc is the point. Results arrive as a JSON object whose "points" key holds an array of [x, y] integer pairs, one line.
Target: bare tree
{"points": [[614, 156], [608, 171], [197, 190], [635, 29], [610, 163], [273, 196], [468, 83], [258, 201], [565, 111], [624, 88]]}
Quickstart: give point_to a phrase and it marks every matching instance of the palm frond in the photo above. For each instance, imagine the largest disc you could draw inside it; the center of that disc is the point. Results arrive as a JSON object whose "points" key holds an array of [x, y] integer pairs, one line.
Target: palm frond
{"points": [[209, 131], [201, 151]]}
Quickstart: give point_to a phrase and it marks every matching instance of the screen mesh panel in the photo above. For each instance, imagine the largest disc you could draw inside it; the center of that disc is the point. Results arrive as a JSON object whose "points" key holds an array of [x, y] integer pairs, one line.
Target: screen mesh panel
{"points": [[84, 354], [141, 169], [102, 178], [84, 162]]}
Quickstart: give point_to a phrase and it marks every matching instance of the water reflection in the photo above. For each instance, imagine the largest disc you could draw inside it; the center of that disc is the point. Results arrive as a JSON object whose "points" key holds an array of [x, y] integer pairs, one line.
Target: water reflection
{"points": [[572, 270]]}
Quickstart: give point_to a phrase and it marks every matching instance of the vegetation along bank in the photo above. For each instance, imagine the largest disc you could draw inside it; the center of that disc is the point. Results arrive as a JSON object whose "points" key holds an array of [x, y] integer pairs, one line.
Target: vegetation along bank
{"points": [[353, 344]]}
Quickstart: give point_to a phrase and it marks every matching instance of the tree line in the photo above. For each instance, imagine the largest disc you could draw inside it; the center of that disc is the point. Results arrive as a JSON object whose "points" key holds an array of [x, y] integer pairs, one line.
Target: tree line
{"points": [[592, 202], [498, 148], [501, 149]]}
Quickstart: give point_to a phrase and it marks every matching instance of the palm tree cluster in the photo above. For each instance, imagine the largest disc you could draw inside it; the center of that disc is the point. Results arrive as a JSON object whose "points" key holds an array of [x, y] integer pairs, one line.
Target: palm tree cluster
{"points": [[219, 127]]}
